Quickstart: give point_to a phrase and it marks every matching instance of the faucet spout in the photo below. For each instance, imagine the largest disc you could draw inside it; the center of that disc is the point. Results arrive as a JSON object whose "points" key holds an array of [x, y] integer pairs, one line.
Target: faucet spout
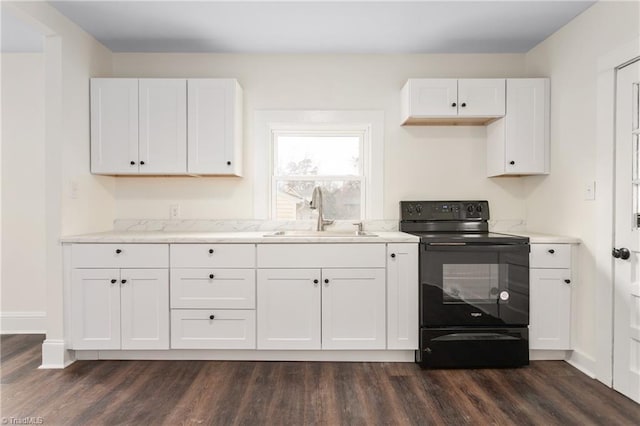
{"points": [[316, 204]]}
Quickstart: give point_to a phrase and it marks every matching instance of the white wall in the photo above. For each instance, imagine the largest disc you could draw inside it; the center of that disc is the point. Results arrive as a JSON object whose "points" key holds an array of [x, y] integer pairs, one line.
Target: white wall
{"points": [[71, 58], [555, 203], [23, 183], [420, 162]]}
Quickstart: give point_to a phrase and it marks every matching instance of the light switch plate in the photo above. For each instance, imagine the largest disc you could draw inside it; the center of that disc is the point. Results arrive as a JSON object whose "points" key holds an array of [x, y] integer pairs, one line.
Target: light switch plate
{"points": [[590, 191], [174, 211]]}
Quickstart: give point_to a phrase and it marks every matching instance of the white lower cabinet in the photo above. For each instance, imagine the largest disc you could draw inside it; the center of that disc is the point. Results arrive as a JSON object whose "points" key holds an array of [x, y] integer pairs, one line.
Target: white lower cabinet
{"points": [[213, 329], [321, 309], [402, 296], [120, 309], [550, 297]]}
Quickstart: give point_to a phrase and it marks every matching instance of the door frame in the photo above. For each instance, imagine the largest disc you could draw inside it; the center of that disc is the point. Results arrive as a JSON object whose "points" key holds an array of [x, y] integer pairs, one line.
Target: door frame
{"points": [[608, 66]]}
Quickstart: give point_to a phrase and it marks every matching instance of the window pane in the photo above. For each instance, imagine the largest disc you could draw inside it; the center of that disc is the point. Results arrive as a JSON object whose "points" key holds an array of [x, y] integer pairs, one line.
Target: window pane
{"points": [[317, 155], [341, 199]]}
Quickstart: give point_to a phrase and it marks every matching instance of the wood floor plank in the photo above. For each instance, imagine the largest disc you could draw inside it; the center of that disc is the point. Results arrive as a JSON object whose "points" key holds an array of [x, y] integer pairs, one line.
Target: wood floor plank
{"points": [[299, 393]]}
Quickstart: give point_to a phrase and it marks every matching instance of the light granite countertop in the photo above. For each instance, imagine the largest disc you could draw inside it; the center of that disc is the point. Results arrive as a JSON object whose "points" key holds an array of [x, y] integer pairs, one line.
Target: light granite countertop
{"points": [[232, 237], [538, 238]]}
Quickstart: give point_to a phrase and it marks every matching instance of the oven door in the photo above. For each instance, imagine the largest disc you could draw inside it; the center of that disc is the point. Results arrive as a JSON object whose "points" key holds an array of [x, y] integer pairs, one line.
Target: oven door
{"points": [[474, 284]]}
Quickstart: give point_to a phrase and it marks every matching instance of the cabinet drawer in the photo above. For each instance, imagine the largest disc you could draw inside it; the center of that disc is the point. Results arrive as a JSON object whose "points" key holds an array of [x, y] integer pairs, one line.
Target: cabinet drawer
{"points": [[213, 256], [213, 288], [120, 255], [550, 256], [321, 255], [229, 329]]}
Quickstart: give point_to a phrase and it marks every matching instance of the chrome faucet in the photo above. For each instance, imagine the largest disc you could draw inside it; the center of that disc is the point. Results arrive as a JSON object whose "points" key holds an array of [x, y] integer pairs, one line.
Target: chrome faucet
{"points": [[316, 204]]}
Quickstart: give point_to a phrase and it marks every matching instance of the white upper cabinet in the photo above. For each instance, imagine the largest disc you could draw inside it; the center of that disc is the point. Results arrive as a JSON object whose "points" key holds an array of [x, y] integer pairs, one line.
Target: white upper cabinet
{"points": [[166, 126], [163, 126], [214, 127], [441, 101], [518, 144], [114, 125]]}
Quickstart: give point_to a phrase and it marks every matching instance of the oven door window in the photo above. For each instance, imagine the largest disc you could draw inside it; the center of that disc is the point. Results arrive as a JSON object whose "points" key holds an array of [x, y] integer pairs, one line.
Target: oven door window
{"points": [[475, 283]]}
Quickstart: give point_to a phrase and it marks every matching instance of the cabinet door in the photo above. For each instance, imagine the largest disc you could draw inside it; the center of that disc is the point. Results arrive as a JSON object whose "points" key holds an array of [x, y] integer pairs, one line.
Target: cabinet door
{"points": [[288, 308], [526, 131], [433, 97], [114, 125], [213, 126], [145, 308], [163, 126], [482, 97], [550, 307], [402, 296], [95, 308], [353, 309]]}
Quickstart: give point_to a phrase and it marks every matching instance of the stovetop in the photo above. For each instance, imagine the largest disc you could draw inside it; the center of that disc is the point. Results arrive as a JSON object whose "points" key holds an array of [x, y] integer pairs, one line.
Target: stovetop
{"points": [[469, 238]]}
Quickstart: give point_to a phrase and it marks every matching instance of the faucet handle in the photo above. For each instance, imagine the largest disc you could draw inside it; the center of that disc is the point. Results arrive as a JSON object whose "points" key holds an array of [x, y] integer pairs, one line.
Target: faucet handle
{"points": [[359, 225]]}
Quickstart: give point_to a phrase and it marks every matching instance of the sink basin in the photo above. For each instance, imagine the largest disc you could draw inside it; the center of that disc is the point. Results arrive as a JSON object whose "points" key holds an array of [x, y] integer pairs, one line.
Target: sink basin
{"points": [[302, 234]]}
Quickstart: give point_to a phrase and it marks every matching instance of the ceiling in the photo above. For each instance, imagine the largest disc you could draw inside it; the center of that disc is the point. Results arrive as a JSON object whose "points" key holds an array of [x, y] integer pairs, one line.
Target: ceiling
{"points": [[17, 36], [321, 26]]}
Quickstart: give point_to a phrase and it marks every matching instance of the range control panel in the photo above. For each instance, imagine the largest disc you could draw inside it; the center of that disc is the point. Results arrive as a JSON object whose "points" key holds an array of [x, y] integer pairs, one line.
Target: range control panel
{"points": [[444, 210]]}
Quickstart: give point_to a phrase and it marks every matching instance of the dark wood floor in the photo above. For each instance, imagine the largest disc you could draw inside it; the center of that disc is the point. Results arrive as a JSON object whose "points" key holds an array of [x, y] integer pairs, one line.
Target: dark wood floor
{"points": [[299, 393]]}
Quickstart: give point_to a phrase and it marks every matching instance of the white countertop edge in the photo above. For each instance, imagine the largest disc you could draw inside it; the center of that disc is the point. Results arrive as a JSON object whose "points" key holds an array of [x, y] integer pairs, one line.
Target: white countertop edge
{"points": [[229, 237], [540, 238]]}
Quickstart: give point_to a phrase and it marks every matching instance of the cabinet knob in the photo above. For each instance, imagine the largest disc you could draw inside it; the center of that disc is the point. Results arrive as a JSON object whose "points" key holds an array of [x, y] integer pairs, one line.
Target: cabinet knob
{"points": [[228, 163], [142, 163], [315, 281], [133, 163], [567, 281], [210, 251], [464, 104], [118, 251], [512, 162], [454, 104], [210, 276], [551, 251], [123, 281], [326, 280], [113, 281], [393, 255], [211, 317]]}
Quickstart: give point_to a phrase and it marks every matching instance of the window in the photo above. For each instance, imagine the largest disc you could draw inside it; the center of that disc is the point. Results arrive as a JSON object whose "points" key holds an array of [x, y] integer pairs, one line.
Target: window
{"points": [[329, 159], [340, 151]]}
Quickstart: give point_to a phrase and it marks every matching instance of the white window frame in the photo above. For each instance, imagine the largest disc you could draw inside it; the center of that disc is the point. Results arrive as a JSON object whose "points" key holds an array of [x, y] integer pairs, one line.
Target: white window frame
{"points": [[368, 124]]}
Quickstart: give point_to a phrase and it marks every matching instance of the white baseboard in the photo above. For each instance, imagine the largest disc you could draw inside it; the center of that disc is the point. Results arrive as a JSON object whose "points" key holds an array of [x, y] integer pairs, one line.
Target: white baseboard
{"points": [[32, 322], [548, 355], [56, 355], [583, 362]]}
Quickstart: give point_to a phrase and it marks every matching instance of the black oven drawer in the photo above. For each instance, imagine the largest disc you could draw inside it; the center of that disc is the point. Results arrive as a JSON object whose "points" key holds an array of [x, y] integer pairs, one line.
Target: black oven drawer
{"points": [[473, 347]]}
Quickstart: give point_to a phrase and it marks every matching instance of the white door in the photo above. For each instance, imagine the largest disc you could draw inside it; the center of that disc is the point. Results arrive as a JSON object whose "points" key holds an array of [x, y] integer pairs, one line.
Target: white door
{"points": [[95, 308], [626, 333], [288, 308], [526, 127], [211, 126], [402, 296], [433, 97], [550, 312], [353, 309], [144, 308], [114, 125], [482, 97], [163, 126]]}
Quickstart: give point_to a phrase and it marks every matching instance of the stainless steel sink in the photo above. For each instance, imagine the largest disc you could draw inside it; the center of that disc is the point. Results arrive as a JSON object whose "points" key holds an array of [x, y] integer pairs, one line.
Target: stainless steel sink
{"points": [[302, 234]]}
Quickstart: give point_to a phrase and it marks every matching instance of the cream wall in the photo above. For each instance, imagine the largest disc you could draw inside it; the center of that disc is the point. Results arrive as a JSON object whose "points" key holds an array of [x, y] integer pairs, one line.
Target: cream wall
{"points": [[555, 203], [23, 183], [419, 162]]}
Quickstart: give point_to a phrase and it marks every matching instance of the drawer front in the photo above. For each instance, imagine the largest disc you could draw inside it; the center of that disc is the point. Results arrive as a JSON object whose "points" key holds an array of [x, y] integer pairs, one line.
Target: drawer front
{"points": [[120, 255], [550, 256], [213, 288], [229, 329], [321, 255], [213, 256]]}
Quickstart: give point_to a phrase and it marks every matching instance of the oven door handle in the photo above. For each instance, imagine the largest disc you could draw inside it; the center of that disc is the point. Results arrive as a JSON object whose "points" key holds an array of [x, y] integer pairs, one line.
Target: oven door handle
{"points": [[475, 336]]}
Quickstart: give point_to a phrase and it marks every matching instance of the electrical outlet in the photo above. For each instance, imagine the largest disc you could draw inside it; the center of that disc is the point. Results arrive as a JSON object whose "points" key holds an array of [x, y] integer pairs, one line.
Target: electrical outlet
{"points": [[174, 211], [590, 191], [73, 190]]}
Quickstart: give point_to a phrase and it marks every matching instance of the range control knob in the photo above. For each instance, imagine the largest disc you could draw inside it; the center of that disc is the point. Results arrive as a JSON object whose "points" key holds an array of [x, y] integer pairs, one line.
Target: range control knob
{"points": [[409, 209], [470, 208], [479, 208], [419, 208]]}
